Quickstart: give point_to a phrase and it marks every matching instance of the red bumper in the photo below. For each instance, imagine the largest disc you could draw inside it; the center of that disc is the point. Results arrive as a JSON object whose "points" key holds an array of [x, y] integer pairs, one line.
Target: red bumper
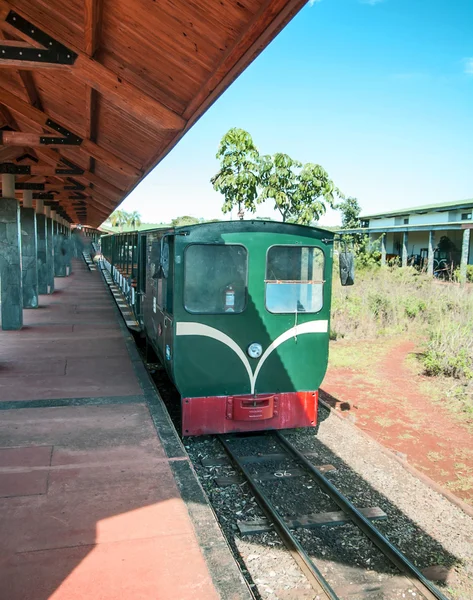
{"points": [[225, 414]]}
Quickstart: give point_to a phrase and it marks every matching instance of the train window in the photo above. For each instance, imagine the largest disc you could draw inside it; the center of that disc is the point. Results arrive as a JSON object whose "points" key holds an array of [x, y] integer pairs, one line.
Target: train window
{"points": [[294, 279], [215, 278]]}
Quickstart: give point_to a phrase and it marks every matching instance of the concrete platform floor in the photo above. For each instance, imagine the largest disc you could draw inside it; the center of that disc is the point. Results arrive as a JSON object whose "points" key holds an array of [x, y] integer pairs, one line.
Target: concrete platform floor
{"points": [[89, 505]]}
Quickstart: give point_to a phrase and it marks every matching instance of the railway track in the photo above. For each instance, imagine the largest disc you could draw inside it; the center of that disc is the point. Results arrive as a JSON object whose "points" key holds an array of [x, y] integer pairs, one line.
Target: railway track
{"points": [[296, 464]]}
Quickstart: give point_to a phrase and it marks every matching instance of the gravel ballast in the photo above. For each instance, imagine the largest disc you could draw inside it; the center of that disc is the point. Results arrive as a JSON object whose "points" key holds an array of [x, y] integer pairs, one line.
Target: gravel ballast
{"points": [[432, 532]]}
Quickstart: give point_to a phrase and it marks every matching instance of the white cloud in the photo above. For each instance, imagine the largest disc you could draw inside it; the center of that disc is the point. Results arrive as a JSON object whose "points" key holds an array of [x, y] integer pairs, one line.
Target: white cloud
{"points": [[469, 66], [371, 2], [312, 2]]}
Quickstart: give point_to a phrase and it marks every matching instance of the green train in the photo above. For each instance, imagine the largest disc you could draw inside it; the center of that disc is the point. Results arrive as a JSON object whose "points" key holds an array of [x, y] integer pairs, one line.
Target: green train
{"points": [[239, 314]]}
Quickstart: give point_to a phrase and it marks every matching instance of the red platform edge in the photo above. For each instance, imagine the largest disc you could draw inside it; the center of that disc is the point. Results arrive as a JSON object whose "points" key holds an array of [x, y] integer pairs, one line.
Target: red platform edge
{"points": [[227, 414]]}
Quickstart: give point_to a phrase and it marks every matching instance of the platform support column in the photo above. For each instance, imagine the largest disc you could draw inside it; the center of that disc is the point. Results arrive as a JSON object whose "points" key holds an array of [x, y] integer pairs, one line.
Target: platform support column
{"points": [[42, 248], [59, 247], [68, 247], [465, 252], [11, 295], [49, 250], [29, 252], [430, 254], [383, 250], [405, 238]]}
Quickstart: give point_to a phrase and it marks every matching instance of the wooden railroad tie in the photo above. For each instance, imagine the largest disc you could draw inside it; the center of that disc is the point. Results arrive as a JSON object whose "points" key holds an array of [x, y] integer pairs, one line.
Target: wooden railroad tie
{"points": [[311, 521]]}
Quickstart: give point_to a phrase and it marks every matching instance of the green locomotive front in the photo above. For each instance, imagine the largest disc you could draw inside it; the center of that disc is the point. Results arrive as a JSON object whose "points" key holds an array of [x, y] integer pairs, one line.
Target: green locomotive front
{"points": [[239, 314]]}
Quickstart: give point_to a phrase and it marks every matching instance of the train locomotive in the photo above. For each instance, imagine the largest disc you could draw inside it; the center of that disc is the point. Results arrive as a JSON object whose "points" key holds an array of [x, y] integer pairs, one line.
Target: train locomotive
{"points": [[238, 313]]}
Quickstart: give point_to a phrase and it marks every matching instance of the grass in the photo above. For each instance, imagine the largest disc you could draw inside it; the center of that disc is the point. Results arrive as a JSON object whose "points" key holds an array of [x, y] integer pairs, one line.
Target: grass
{"points": [[386, 302]]}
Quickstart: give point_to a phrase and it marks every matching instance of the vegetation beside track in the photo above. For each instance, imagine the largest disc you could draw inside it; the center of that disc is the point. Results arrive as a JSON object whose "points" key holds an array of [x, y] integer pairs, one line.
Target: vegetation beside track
{"points": [[390, 301]]}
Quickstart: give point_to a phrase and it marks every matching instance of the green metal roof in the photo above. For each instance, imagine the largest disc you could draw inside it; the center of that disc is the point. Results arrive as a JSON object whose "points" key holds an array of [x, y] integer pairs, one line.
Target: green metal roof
{"points": [[422, 209]]}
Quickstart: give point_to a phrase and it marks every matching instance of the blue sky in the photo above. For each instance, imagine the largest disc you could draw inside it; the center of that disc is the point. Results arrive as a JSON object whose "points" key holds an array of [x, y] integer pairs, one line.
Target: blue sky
{"points": [[379, 92]]}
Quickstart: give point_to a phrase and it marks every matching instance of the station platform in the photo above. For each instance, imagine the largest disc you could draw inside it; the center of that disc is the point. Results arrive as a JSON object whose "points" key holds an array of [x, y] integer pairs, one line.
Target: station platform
{"points": [[98, 499]]}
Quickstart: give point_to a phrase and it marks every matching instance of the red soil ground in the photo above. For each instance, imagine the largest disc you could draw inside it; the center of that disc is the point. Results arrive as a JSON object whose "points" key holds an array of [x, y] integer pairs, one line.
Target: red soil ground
{"points": [[387, 401]]}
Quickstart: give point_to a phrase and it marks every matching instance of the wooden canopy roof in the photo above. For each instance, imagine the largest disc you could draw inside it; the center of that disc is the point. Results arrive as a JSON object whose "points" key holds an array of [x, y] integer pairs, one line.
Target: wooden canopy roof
{"points": [[94, 93]]}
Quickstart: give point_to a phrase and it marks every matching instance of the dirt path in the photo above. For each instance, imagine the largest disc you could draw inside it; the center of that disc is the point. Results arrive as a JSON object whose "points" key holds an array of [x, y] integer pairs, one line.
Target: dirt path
{"points": [[385, 399]]}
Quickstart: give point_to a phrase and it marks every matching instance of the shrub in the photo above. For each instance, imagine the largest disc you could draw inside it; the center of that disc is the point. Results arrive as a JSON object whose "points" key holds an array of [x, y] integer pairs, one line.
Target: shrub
{"points": [[469, 274], [450, 351]]}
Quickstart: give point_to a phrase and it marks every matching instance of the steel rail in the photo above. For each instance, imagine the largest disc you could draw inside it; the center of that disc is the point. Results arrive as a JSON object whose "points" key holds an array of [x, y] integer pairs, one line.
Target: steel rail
{"points": [[318, 581], [391, 552]]}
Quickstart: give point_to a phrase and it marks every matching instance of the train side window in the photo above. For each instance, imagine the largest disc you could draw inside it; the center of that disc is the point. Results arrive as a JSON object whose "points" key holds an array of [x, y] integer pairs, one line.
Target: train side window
{"points": [[142, 264], [215, 278], [294, 279]]}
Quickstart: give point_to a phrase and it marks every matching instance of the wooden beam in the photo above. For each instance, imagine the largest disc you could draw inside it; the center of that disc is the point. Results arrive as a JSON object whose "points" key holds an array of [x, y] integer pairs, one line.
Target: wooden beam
{"points": [[53, 158], [109, 84], [93, 11], [28, 82], [14, 63], [9, 154], [40, 118], [92, 25], [126, 96], [19, 138]]}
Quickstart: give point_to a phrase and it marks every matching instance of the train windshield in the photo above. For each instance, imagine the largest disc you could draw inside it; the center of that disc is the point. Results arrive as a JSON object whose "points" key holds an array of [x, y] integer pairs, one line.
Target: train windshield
{"points": [[215, 278], [294, 279]]}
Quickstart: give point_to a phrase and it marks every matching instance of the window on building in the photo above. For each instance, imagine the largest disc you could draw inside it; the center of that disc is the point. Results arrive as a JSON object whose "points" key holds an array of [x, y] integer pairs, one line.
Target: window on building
{"points": [[402, 220], [215, 278], [365, 223], [294, 279], [466, 216]]}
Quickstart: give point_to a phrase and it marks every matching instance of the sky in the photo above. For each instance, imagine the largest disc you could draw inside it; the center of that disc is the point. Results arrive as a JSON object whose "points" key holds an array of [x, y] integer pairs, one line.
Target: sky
{"points": [[378, 92]]}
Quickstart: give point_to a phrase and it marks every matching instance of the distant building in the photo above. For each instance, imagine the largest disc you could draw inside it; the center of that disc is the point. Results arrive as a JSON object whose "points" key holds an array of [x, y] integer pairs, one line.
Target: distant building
{"points": [[414, 234]]}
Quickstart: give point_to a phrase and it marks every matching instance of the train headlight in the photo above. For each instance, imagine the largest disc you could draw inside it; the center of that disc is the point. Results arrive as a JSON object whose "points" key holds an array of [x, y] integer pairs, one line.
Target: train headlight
{"points": [[254, 350]]}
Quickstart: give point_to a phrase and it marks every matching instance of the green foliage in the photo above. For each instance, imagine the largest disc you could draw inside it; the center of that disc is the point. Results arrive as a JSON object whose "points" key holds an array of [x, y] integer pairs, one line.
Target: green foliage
{"points": [[300, 192], [469, 274], [414, 306], [350, 210], [367, 252], [118, 218], [183, 221], [238, 176], [134, 219], [450, 350]]}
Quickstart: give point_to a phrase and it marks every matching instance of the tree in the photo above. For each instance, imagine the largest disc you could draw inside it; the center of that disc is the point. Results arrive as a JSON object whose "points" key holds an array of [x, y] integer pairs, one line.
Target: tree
{"points": [[118, 218], [350, 210], [134, 219], [238, 176], [300, 192], [183, 221]]}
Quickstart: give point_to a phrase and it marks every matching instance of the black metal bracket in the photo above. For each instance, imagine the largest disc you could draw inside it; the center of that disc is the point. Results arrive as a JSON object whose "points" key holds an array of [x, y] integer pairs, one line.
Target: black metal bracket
{"points": [[12, 169], [29, 186], [70, 137], [46, 140], [27, 156], [75, 185], [53, 52], [72, 170], [43, 196]]}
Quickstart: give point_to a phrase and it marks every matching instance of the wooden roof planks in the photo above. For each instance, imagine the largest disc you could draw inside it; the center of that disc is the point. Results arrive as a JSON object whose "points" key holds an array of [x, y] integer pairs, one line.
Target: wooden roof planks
{"points": [[101, 90]]}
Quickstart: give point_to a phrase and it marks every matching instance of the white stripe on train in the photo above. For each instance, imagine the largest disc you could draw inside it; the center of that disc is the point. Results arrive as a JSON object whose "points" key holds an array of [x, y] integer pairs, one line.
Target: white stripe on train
{"points": [[183, 328]]}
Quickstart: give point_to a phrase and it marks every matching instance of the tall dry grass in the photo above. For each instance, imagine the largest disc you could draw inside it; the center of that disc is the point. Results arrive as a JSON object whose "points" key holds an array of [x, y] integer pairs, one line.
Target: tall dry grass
{"points": [[389, 301]]}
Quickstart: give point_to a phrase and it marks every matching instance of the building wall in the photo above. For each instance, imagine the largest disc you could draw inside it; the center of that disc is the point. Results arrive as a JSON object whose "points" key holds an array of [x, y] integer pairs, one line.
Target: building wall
{"points": [[450, 216]]}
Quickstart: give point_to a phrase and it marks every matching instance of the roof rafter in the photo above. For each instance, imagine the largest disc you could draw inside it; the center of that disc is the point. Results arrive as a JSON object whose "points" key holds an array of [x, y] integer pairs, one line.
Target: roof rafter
{"points": [[121, 92], [42, 119]]}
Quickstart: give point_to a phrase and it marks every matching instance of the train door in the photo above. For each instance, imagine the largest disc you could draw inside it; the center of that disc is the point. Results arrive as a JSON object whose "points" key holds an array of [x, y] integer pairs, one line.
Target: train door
{"points": [[141, 276], [165, 298]]}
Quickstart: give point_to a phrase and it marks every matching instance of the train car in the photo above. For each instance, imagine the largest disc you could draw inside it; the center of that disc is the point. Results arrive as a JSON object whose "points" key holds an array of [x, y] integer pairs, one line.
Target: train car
{"points": [[239, 314]]}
